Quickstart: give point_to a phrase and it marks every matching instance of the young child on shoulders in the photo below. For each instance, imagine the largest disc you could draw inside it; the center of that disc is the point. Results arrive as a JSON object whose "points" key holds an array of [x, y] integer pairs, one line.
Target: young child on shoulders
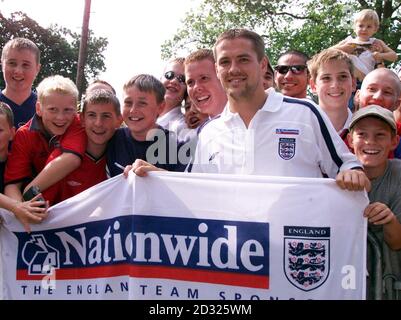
{"points": [[366, 52], [50, 145], [20, 65], [33, 209], [372, 136], [143, 138]]}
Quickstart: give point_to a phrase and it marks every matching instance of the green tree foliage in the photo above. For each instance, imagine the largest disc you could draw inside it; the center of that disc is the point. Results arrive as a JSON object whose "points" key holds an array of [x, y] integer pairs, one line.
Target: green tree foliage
{"points": [[309, 26], [59, 47]]}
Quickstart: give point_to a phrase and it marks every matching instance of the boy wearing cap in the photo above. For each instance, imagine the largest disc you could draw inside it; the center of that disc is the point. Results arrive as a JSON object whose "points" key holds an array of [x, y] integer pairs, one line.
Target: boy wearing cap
{"points": [[372, 136]]}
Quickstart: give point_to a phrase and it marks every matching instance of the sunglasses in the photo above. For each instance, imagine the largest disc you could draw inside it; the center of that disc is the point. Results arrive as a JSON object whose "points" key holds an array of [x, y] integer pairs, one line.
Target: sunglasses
{"points": [[297, 69], [170, 75]]}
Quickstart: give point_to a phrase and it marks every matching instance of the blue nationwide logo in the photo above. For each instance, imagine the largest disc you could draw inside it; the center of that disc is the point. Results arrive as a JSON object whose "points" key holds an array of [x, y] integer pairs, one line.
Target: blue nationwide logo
{"points": [[306, 256]]}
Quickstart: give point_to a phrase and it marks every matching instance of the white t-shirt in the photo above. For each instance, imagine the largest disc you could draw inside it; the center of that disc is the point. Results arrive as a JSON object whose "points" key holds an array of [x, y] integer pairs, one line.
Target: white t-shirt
{"points": [[174, 121], [362, 56], [286, 137]]}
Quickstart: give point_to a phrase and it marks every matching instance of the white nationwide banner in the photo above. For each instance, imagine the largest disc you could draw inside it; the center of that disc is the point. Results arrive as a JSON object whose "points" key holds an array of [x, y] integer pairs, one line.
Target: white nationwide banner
{"points": [[192, 236]]}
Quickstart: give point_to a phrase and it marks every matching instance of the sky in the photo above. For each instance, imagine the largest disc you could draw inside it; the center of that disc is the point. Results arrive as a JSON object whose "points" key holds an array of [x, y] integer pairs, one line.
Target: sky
{"points": [[135, 29]]}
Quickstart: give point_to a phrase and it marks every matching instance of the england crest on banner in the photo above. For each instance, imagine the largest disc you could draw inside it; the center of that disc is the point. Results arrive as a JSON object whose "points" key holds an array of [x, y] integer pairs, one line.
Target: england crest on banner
{"points": [[286, 148], [306, 256]]}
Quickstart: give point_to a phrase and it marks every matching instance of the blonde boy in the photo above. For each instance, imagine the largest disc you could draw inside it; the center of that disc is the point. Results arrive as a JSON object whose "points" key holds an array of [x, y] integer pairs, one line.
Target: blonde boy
{"points": [[333, 81], [367, 52], [20, 65], [52, 141]]}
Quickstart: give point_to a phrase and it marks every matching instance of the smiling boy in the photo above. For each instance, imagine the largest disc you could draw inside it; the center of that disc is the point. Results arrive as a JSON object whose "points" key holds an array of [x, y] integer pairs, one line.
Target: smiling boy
{"points": [[143, 101], [333, 81], [20, 65], [100, 116], [51, 144], [373, 136]]}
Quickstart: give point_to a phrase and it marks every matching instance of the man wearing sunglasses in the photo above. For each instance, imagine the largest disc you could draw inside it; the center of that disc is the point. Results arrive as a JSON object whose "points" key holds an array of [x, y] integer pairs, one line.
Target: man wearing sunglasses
{"points": [[171, 117], [291, 74]]}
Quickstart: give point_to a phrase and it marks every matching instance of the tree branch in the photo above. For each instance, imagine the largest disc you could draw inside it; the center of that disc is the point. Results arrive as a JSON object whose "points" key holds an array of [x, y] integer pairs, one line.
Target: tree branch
{"points": [[363, 3], [295, 16]]}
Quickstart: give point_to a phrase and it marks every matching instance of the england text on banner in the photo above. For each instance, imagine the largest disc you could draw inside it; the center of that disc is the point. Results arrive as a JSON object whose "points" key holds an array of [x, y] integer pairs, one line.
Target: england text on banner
{"points": [[193, 236]]}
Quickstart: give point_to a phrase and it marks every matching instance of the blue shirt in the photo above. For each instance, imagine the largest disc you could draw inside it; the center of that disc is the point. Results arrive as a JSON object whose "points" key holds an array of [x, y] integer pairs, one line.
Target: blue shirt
{"points": [[124, 150], [24, 112]]}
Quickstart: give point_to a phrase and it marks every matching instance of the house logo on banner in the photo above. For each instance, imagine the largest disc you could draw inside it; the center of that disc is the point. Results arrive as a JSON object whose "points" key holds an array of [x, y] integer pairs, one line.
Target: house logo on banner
{"points": [[306, 256], [39, 256]]}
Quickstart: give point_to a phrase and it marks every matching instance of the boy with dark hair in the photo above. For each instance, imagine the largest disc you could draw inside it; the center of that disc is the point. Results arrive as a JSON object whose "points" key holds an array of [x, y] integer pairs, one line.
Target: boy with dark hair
{"points": [[143, 100], [373, 136], [20, 65], [100, 116]]}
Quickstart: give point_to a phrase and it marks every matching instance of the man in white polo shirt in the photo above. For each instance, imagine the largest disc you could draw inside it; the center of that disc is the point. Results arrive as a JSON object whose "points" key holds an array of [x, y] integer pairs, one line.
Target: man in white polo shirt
{"points": [[265, 133]]}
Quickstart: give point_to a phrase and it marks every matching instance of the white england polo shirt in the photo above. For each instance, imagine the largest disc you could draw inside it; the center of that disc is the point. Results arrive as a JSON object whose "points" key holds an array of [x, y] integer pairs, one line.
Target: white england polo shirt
{"points": [[286, 137]]}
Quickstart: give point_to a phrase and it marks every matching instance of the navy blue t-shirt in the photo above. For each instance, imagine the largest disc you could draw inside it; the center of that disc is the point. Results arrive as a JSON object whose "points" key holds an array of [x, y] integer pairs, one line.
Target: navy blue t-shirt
{"points": [[124, 150], [24, 112]]}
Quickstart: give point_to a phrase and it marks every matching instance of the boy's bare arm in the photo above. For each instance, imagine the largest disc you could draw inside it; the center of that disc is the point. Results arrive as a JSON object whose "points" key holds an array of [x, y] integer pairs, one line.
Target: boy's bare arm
{"points": [[386, 53], [379, 214], [140, 168], [13, 191], [27, 212], [353, 180], [345, 46], [55, 170]]}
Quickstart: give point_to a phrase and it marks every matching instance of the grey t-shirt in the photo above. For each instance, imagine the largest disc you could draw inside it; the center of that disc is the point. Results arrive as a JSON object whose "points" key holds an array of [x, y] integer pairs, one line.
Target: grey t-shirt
{"points": [[387, 189]]}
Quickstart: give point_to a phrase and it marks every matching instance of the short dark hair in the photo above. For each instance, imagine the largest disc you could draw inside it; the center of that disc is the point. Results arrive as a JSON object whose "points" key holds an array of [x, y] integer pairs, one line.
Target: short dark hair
{"points": [[147, 83], [297, 53], [100, 96], [100, 82], [257, 41]]}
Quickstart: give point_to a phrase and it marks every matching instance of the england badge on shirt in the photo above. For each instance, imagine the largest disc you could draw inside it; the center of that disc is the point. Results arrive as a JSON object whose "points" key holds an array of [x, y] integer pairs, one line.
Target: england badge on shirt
{"points": [[286, 148]]}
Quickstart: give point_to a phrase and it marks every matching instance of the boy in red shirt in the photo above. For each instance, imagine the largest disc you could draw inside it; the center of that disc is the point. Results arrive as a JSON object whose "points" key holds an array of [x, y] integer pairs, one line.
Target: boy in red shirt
{"points": [[101, 116], [50, 145]]}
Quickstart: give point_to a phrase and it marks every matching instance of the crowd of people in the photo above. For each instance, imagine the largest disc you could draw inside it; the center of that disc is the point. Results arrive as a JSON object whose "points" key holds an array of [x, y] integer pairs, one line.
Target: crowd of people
{"points": [[220, 110]]}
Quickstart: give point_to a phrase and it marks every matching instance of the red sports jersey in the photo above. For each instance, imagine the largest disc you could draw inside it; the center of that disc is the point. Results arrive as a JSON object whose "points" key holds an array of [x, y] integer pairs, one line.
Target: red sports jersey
{"points": [[31, 149], [90, 172]]}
